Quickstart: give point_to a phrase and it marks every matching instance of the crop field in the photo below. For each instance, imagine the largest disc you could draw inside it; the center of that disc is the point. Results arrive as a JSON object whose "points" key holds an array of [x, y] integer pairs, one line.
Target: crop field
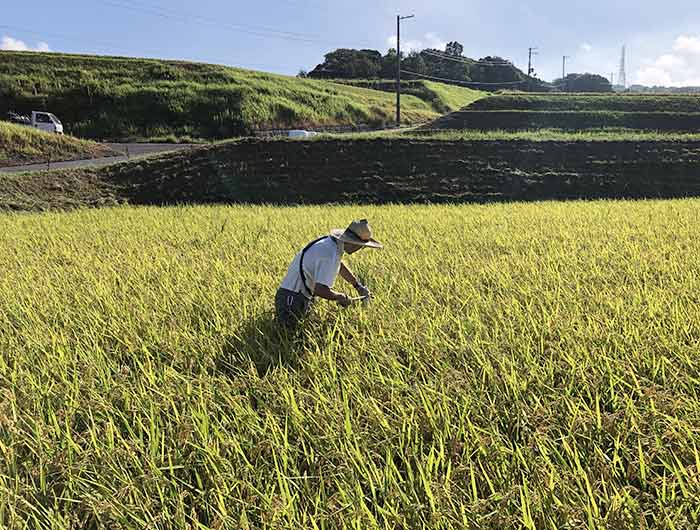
{"points": [[122, 98], [521, 366], [24, 145]]}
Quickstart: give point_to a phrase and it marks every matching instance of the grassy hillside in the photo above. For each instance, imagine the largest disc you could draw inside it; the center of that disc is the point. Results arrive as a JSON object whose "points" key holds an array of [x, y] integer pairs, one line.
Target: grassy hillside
{"points": [[517, 120], [118, 98], [551, 381], [24, 145], [573, 112], [376, 170], [443, 98], [590, 102]]}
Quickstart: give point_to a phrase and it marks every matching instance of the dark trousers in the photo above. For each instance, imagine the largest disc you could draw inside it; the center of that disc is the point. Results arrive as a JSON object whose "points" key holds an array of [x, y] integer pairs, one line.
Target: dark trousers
{"points": [[291, 307]]}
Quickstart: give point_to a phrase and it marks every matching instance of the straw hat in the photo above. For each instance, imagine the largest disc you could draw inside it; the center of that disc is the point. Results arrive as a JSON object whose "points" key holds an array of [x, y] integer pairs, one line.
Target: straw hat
{"points": [[358, 233]]}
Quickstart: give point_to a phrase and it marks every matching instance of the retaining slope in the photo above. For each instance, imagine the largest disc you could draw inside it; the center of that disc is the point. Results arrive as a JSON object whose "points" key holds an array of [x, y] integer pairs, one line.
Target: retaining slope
{"points": [[381, 171]]}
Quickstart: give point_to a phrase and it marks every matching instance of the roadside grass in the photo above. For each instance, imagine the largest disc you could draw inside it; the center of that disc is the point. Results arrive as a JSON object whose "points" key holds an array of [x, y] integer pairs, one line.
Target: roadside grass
{"points": [[120, 98], [521, 366], [24, 145]]}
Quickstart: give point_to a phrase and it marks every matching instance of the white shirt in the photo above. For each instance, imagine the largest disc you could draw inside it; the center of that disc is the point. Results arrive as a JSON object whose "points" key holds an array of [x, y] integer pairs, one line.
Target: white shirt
{"points": [[321, 265]]}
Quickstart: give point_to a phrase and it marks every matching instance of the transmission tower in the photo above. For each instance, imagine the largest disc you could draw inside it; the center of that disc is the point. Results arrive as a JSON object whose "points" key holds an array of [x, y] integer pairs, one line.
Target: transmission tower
{"points": [[621, 76]]}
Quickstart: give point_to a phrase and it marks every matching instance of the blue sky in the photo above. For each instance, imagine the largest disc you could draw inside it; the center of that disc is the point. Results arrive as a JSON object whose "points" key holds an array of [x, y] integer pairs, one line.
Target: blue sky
{"points": [[283, 36]]}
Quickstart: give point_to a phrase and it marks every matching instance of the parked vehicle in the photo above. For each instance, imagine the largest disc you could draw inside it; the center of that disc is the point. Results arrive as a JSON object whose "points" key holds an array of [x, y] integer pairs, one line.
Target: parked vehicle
{"points": [[299, 133], [44, 121]]}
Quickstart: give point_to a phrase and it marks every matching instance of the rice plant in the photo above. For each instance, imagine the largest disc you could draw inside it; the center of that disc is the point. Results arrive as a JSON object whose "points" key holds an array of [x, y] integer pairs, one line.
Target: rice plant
{"points": [[521, 366]]}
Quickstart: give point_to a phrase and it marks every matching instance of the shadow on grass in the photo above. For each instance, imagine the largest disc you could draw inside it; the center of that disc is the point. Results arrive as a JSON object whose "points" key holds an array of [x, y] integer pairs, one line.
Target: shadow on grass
{"points": [[267, 344]]}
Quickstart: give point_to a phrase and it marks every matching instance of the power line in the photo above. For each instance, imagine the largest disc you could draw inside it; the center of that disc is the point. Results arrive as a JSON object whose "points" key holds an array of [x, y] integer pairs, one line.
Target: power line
{"points": [[460, 81], [58, 36], [466, 61], [110, 46], [190, 18]]}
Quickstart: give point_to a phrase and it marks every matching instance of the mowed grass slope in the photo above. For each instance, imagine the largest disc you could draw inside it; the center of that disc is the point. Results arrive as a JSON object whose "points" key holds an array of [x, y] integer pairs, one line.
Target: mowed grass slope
{"points": [[443, 97], [118, 98], [576, 112], [521, 366], [24, 145], [590, 102]]}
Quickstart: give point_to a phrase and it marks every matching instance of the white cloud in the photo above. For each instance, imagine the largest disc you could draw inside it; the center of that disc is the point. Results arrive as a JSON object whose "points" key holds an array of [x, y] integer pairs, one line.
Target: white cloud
{"points": [[680, 67], [687, 45], [585, 47], [429, 40], [11, 44], [435, 42]]}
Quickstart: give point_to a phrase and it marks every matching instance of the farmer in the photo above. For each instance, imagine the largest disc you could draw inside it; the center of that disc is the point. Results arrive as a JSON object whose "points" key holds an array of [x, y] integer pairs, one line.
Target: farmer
{"points": [[314, 270]]}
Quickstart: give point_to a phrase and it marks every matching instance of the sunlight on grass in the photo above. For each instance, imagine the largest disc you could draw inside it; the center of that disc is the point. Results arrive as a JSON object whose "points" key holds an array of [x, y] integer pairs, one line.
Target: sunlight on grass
{"points": [[522, 366]]}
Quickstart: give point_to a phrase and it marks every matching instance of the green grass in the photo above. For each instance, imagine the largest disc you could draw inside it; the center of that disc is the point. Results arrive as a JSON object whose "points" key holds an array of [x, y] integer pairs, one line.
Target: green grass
{"points": [[570, 120], [442, 97], [590, 102], [121, 98], [521, 366], [541, 135], [24, 145]]}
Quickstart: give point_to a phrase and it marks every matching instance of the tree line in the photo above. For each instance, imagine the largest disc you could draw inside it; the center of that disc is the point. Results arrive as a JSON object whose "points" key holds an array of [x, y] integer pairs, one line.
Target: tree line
{"points": [[449, 65]]}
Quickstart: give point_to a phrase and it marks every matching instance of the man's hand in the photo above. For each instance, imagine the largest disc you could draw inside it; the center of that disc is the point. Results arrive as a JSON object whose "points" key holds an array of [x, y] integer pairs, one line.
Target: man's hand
{"points": [[363, 290], [344, 300]]}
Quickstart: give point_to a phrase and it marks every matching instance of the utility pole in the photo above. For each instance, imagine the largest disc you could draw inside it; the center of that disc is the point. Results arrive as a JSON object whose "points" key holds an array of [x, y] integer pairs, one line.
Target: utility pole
{"points": [[399, 18], [612, 79], [530, 69], [530, 53], [563, 66]]}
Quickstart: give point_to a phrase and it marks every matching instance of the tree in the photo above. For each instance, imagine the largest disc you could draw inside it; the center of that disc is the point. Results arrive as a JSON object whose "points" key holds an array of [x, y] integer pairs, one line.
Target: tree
{"points": [[388, 65], [583, 83], [346, 63], [449, 64], [454, 49]]}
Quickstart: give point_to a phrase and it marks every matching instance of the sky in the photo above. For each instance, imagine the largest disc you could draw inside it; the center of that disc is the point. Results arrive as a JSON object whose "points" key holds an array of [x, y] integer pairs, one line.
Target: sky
{"points": [[285, 36]]}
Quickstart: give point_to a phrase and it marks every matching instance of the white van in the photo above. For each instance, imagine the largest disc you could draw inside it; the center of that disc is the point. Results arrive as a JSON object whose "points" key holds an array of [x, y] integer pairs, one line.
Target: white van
{"points": [[44, 121], [298, 133]]}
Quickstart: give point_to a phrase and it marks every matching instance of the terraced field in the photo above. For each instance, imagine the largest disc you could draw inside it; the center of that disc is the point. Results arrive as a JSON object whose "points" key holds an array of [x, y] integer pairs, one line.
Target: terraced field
{"points": [[513, 112], [590, 102], [376, 170]]}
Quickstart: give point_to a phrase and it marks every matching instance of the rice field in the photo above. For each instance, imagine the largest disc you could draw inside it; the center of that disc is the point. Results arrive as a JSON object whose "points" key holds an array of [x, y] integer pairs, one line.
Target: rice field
{"points": [[521, 366]]}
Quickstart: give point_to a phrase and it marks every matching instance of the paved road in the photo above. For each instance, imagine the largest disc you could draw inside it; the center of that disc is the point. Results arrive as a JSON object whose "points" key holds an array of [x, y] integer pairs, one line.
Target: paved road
{"points": [[133, 150]]}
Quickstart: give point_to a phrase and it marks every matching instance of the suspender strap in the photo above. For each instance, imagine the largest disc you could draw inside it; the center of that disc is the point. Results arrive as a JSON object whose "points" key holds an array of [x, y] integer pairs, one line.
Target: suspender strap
{"points": [[301, 264]]}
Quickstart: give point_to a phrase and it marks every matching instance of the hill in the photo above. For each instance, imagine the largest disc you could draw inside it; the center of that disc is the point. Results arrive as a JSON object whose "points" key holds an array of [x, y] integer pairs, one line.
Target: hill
{"points": [[123, 98], [24, 145]]}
